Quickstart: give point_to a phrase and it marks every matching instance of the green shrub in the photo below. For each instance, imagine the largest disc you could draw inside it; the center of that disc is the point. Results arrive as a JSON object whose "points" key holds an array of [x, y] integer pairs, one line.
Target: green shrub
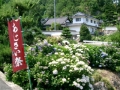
{"points": [[104, 56], [58, 27], [118, 68], [84, 33], [53, 40], [94, 55], [5, 55], [8, 71], [66, 33]]}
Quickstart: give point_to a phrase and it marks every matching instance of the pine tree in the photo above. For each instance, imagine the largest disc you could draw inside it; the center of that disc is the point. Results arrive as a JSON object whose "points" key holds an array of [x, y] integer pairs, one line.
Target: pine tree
{"points": [[84, 33], [66, 33]]}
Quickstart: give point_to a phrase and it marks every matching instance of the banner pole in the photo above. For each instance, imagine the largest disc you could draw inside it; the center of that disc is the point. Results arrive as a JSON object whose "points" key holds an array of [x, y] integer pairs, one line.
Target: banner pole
{"points": [[28, 69]]}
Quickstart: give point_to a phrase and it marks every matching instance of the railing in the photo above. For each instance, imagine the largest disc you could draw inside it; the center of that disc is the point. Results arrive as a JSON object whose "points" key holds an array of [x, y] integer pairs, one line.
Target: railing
{"points": [[96, 42]]}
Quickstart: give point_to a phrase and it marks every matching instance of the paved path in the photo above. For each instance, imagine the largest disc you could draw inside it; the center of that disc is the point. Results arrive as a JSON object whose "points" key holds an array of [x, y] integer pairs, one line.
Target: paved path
{"points": [[4, 86]]}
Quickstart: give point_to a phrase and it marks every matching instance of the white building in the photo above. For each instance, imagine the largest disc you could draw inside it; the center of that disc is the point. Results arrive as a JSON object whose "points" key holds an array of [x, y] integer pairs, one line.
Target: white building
{"points": [[57, 33], [109, 30], [80, 18]]}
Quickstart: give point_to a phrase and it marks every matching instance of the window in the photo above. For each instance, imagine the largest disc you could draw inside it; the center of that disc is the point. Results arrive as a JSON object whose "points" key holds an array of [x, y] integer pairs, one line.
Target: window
{"points": [[78, 19], [92, 30], [94, 22], [87, 19], [91, 21]]}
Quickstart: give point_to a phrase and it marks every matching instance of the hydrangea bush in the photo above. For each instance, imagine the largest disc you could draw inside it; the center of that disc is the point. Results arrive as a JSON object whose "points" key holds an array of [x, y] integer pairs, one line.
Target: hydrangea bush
{"points": [[56, 67], [66, 69], [63, 73], [104, 57]]}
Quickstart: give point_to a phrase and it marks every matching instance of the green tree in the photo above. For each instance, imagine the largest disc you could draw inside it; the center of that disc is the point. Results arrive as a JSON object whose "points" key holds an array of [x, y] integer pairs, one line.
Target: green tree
{"points": [[84, 33], [58, 26], [66, 33]]}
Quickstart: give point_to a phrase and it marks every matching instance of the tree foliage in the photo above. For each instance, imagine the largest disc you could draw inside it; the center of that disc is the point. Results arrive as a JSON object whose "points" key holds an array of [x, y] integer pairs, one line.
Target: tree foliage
{"points": [[30, 13], [84, 33], [66, 33], [58, 26], [106, 10]]}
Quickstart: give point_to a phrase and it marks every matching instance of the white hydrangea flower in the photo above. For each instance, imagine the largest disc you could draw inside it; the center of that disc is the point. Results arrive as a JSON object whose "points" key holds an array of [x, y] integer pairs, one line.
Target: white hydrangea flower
{"points": [[64, 68], [45, 67], [75, 68], [74, 83], [81, 87], [78, 80], [39, 80], [61, 54], [78, 54], [67, 47], [86, 66], [81, 69], [91, 86], [62, 62], [100, 65], [77, 85], [71, 51], [56, 53], [87, 78], [53, 63], [60, 59], [55, 72], [45, 42], [70, 71], [38, 63], [67, 65], [64, 80], [83, 80], [80, 63], [89, 67], [73, 56], [43, 72]]}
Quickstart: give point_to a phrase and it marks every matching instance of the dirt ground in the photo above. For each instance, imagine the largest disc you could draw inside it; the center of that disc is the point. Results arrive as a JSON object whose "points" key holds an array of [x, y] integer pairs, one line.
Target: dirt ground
{"points": [[114, 78]]}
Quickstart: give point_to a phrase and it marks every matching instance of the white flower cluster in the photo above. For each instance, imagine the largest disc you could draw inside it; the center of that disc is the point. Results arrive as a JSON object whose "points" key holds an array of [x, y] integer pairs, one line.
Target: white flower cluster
{"points": [[88, 68], [80, 83], [77, 85], [55, 72], [66, 66], [64, 80], [59, 61], [80, 50], [76, 45]]}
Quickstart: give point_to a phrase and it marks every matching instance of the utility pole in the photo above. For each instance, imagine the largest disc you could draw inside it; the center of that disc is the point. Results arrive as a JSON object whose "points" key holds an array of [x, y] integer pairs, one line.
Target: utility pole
{"points": [[54, 16]]}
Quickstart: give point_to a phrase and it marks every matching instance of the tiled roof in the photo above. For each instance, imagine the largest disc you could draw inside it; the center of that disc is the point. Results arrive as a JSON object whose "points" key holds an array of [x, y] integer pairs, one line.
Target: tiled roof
{"points": [[60, 20], [82, 14], [78, 14]]}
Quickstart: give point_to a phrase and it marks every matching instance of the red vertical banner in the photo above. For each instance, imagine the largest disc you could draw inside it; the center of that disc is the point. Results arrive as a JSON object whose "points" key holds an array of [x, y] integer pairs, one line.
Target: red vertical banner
{"points": [[16, 43]]}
